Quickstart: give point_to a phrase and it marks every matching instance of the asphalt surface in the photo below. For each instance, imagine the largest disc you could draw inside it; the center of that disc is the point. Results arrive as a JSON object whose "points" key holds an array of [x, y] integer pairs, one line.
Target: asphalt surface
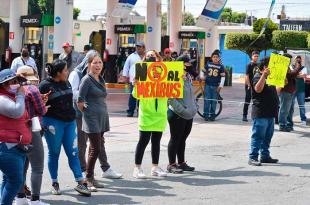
{"points": [[218, 150]]}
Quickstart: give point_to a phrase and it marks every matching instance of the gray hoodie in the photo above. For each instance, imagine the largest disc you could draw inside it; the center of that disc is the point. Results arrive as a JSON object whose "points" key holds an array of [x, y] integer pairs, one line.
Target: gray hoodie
{"points": [[185, 107]]}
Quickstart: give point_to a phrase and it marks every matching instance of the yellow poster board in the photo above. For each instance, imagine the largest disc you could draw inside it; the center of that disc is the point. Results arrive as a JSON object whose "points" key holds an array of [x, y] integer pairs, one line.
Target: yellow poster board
{"points": [[159, 80], [278, 66]]}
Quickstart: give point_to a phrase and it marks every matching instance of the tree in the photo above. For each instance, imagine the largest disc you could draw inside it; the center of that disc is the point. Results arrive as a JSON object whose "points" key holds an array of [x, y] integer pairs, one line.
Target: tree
{"points": [[228, 15], [33, 7], [164, 22], [244, 42], [258, 26], [284, 39], [309, 40], [76, 13], [188, 19], [46, 6]]}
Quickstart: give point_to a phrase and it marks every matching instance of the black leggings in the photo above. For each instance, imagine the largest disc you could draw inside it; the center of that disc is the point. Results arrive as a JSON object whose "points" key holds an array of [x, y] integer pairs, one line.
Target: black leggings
{"points": [[180, 128], [143, 142]]}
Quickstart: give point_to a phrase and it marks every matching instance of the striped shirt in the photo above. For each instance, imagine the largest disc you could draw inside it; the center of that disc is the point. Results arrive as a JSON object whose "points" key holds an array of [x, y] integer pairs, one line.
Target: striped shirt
{"points": [[34, 103]]}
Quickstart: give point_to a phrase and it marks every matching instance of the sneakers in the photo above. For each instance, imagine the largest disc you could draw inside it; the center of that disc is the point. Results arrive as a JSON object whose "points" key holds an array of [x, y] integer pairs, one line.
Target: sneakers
{"points": [[138, 173], [284, 129], [304, 123], [173, 169], [254, 162], [82, 189], [158, 172], [111, 174], [27, 191], [38, 202], [21, 201], [185, 167], [56, 189], [93, 184], [269, 160]]}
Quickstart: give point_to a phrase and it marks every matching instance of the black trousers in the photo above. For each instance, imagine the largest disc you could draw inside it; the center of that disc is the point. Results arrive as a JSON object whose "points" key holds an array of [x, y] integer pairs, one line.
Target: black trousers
{"points": [[180, 129], [144, 141], [247, 101]]}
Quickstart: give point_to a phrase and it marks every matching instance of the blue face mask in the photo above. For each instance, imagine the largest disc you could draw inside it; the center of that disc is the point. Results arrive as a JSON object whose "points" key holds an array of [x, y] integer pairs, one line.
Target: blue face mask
{"points": [[13, 88]]}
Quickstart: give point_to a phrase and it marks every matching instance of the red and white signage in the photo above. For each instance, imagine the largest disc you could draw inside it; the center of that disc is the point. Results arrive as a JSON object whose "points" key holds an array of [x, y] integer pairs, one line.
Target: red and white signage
{"points": [[11, 35], [109, 41]]}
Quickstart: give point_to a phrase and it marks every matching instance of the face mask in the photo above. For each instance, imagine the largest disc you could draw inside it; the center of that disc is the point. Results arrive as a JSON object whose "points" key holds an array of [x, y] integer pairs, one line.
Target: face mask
{"points": [[189, 68], [25, 54], [13, 88], [151, 59]]}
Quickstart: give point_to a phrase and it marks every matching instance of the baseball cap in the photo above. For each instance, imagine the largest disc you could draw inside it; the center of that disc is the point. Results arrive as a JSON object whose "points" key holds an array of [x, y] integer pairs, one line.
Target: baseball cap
{"points": [[27, 72], [184, 58], [65, 45], [167, 50], [140, 44]]}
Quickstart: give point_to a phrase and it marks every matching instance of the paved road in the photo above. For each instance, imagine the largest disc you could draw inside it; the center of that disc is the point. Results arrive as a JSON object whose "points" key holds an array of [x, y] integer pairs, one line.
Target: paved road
{"points": [[218, 150]]}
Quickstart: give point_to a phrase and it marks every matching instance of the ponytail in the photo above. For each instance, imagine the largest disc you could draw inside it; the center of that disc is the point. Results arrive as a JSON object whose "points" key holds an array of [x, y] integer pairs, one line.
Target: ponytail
{"points": [[56, 67]]}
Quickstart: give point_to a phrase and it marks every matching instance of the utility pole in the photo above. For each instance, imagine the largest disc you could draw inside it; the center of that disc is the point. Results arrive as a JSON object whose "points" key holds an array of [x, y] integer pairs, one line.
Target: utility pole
{"points": [[168, 18]]}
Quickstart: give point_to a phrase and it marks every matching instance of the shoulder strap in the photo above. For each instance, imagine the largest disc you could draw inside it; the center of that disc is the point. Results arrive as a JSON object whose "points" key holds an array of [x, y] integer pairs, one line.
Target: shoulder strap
{"points": [[23, 60]]}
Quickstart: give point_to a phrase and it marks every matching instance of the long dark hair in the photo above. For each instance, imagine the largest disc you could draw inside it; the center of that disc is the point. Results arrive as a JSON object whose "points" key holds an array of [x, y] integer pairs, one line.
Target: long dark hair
{"points": [[56, 67]]}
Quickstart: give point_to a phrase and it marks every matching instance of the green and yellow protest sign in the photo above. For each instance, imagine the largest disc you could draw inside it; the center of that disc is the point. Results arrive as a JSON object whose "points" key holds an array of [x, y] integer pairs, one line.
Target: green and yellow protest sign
{"points": [[159, 80], [278, 66]]}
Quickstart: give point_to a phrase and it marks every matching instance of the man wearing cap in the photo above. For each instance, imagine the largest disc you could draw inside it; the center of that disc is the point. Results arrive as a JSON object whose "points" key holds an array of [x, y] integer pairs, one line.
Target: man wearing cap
{"points": [[129, 73], [72, 57], [167, 55], [35, 106], [23, 60]]}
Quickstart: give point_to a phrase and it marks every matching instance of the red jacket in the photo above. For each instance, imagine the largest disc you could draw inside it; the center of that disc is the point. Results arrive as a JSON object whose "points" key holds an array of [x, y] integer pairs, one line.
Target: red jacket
{"points": [[14, 130]]}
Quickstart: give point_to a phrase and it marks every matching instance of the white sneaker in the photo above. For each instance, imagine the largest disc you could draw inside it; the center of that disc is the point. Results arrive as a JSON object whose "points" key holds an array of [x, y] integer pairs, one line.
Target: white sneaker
{"points": [[304, 123], [158, 172], [21, 201], [38, 202], [111, 174], [138, 173]]}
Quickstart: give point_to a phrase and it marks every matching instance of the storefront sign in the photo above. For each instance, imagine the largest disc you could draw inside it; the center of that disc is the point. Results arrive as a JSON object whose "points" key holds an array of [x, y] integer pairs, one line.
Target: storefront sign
{"points": [[30, 21], [124, 29], [278, 66], [192, 35], [159, 80], [294, 25]]}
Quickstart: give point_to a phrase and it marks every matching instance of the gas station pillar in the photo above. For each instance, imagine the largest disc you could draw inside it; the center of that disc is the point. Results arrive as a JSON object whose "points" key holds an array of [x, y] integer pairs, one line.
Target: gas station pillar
{"points": [[111, 42], [153, 39], [111, 37], [63, 24], [18, 8], [175, 25]]}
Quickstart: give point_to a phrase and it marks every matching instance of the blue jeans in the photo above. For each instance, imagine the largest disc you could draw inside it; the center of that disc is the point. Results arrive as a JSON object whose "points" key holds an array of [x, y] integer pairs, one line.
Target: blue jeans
{"points": [[12, 163], [262, 132], [210, 101], [285, 119], [132, 102], [301, 103], [62, 133]]}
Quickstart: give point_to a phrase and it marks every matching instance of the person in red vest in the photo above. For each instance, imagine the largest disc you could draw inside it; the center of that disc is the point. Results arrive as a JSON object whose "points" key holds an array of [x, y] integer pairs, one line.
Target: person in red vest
{"points": [[14, 140]]}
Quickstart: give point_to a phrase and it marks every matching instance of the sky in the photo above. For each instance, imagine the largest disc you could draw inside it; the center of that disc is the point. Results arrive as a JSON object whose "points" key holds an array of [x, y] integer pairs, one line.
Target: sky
{"points": [[259, 8]]}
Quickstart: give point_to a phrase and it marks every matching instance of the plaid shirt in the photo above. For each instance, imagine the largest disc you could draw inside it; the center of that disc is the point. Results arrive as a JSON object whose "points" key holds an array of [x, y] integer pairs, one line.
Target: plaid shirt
{"points": [[34, 103]]}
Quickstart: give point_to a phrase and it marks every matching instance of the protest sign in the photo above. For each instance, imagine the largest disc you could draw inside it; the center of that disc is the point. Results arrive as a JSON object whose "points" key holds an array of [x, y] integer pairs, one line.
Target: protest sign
{"points": [[159, 80], [278, 66]]}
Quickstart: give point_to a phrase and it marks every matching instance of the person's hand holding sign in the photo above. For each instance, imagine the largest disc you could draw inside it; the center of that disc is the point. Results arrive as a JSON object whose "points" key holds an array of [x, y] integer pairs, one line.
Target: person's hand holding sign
{"points": [[266, 72]]}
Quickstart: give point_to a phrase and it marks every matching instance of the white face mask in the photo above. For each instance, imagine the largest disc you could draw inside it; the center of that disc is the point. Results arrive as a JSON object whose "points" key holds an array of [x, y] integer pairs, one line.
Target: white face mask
{"points": [[13, 88]]}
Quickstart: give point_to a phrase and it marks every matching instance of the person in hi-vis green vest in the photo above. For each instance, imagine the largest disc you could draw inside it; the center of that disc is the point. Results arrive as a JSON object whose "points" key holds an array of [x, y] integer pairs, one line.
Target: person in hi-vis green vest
{"points": [[152, 122]]}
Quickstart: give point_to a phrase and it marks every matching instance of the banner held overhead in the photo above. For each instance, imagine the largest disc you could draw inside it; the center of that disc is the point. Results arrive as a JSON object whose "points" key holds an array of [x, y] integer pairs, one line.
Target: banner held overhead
{"points": [[211, 13], [123, 8]]}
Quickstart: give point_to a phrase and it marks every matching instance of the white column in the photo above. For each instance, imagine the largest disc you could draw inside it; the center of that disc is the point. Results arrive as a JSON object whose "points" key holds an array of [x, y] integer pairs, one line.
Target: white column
{"points": [[153, 38], [63, 24], [18, 8], [212, 41], [175, 25], [111, 37]]}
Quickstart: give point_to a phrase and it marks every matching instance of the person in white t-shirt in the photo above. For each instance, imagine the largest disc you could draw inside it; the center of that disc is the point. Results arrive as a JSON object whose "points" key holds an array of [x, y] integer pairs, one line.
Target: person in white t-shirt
{"points": [[129, 72]]}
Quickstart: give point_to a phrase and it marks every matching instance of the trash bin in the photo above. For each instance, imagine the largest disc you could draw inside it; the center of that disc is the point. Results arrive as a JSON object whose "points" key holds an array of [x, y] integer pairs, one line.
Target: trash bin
{"points": [[228, 76]]}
